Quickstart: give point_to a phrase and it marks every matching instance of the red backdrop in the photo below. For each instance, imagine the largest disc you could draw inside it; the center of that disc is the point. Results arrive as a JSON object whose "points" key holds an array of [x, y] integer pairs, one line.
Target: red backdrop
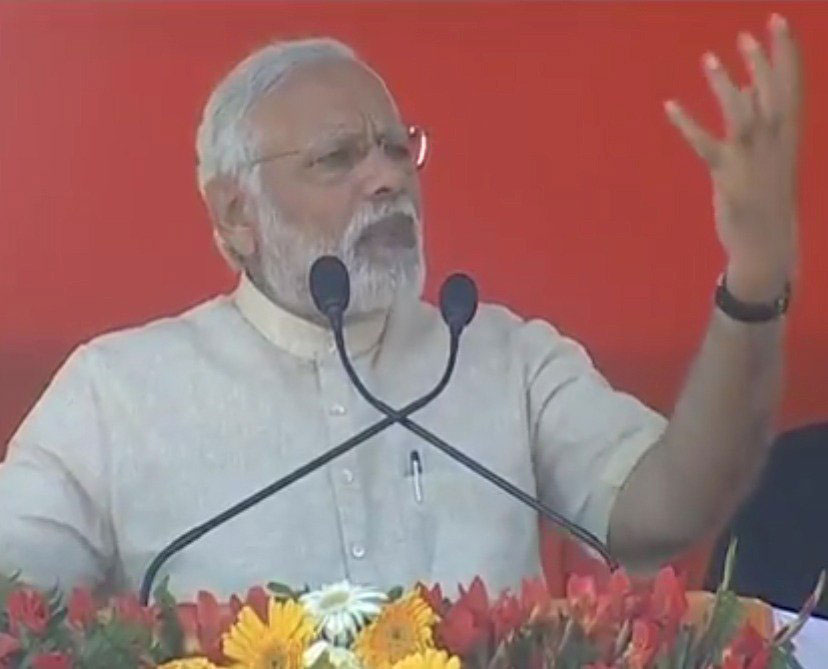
{"points": [[555, 178]]}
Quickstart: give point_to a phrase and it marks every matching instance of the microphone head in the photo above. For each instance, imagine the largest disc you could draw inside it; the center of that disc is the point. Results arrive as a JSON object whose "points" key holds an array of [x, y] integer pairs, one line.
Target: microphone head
{"points": [[330, 286], [458, 301]]}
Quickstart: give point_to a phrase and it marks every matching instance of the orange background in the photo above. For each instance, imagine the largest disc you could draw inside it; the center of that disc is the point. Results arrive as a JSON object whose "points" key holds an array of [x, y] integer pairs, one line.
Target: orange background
{"points": [[555, 178]]}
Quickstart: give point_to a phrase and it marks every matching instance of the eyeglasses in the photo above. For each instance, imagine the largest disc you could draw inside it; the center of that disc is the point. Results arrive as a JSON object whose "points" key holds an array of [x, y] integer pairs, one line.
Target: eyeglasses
{"points": [[334, 158]]}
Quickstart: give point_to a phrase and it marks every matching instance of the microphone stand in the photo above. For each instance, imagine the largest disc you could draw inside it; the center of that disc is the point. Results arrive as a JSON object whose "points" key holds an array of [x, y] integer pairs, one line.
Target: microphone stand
{"points": [[399, 417], [199, 531]]}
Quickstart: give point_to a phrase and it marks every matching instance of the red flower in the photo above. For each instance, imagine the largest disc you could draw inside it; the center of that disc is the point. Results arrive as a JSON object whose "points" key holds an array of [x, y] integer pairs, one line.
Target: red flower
{"points": [[643, 644], [668, 602], [129, 609], [582, 597], [27, 607], [81, 608], [434, 598], [748, 650], [617, 600], [8, 646], [52, 661], [467, 625], [507, 615], [257, 599], [459, 632], [206, 621], [534, 597]]}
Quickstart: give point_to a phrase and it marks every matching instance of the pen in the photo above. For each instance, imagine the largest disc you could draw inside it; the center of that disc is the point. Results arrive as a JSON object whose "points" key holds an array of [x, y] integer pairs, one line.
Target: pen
{"points": [[417, 475]]}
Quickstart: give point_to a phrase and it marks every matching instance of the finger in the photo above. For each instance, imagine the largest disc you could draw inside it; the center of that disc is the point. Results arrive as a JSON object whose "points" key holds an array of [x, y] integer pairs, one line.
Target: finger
{"points": [[762, 74], [737, 116], [786, 63], [701, 141]]}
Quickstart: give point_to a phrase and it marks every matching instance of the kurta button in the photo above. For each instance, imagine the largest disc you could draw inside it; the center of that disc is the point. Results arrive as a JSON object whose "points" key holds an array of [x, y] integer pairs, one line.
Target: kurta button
{"points": [[337, 410], [347, 476], [358, 551]]}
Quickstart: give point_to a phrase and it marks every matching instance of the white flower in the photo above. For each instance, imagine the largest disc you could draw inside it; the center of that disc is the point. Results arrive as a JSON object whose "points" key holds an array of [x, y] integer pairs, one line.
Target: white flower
{"points": [[342, 609], [339, 658]]}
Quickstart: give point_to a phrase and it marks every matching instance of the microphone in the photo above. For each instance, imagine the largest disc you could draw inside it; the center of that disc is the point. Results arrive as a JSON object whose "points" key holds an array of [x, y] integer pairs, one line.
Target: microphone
{"points": [[337, 286], [330, 287]]}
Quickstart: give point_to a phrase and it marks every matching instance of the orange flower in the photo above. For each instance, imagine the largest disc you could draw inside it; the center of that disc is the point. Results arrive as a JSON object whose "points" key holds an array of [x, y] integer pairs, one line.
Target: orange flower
{"points": [[401, 629]]}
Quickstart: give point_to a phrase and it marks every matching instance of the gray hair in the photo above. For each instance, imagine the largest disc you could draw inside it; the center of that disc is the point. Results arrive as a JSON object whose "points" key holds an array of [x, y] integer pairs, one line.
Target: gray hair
{"points": [[224, 141]]}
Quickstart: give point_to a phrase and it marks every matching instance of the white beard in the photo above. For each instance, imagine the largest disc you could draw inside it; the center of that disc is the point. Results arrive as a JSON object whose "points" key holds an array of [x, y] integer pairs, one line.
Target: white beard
{"points": [[285, 257]]}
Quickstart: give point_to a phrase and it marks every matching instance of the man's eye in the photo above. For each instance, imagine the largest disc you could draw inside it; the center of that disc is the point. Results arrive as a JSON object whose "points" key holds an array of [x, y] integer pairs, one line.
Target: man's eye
{"points": [[397, 151], [341, 157]]}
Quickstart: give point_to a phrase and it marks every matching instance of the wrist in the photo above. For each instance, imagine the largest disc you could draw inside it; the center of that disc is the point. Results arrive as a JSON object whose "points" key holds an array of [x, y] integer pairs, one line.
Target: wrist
{"points": [[760, 283], [754, 310]]}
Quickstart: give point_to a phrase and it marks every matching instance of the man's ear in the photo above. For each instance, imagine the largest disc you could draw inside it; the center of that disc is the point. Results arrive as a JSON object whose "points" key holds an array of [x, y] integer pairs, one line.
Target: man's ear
{"points": [[233, 229]]}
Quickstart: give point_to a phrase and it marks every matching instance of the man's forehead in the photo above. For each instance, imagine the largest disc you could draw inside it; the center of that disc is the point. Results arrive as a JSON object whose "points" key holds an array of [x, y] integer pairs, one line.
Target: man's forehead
{"points": [[324, 97]]}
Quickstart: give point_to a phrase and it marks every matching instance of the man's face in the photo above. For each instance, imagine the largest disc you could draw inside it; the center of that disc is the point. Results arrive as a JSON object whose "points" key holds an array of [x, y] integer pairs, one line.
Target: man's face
{"points": [[346, 187]]}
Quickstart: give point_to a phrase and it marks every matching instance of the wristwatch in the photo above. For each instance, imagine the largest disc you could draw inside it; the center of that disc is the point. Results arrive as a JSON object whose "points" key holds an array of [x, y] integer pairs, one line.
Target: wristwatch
{"points": [[751, 312]]}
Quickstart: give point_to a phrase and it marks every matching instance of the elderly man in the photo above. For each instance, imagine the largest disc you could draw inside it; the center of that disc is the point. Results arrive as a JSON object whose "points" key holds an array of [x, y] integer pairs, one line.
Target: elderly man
{"points": [[302, 152]]}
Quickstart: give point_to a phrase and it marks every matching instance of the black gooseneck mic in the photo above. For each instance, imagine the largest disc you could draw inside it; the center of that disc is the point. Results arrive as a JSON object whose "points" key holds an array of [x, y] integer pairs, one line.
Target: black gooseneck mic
{"points": [[337, 292], [330, 287]]}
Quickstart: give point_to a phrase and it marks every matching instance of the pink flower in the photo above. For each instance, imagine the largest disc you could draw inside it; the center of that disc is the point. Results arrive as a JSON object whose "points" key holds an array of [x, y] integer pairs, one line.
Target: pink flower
{"points": [[81, 608], [52, 661], [27, 607]]}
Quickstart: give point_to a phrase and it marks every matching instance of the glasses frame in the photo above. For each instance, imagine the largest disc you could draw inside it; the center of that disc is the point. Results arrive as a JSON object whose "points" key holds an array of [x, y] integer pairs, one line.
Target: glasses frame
{"points": [[411, 130]]}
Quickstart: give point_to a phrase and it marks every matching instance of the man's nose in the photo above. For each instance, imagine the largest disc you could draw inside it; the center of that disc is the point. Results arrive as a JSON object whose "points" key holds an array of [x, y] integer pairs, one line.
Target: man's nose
{"points": [[382, 176]]}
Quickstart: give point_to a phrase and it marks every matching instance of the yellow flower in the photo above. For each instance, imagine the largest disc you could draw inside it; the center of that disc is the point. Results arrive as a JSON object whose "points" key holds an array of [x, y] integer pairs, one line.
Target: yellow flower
{"points": [[401, 629], [431, 659], [278, 644], [189, 663]]}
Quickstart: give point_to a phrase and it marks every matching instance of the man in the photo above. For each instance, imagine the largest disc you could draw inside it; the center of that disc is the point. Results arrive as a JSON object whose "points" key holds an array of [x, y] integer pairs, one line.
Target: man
{"points": [[302, 152]]}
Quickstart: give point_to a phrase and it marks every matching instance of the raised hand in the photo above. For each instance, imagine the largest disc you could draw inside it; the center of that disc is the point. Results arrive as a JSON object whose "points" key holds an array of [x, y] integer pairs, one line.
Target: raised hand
{"points": [[754, 166]]}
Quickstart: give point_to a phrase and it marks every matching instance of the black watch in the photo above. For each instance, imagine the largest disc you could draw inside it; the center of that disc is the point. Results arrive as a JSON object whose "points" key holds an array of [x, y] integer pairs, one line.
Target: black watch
{"points": [[751, 312]]}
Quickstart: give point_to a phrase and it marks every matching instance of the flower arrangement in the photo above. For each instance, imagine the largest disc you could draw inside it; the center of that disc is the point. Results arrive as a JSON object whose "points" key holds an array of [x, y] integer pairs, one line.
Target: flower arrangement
{"points": [[616, 624]]}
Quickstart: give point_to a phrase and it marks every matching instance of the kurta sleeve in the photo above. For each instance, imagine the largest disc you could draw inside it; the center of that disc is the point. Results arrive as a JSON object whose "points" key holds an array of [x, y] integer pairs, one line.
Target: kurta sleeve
{"points": [[586, 436], [54, 517]]}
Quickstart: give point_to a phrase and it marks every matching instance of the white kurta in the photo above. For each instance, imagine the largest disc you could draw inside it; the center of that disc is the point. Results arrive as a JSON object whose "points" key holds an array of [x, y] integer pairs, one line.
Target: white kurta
{"points": [[146, 432]]}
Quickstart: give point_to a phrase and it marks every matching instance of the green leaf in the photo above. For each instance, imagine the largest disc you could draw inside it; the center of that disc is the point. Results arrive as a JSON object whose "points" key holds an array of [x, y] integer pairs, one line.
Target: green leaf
{"points": [[395, 593], [728, 615], [729, 565], [323, 662], [682, 654], [281, 591], [116, 644], [171, 636]]}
